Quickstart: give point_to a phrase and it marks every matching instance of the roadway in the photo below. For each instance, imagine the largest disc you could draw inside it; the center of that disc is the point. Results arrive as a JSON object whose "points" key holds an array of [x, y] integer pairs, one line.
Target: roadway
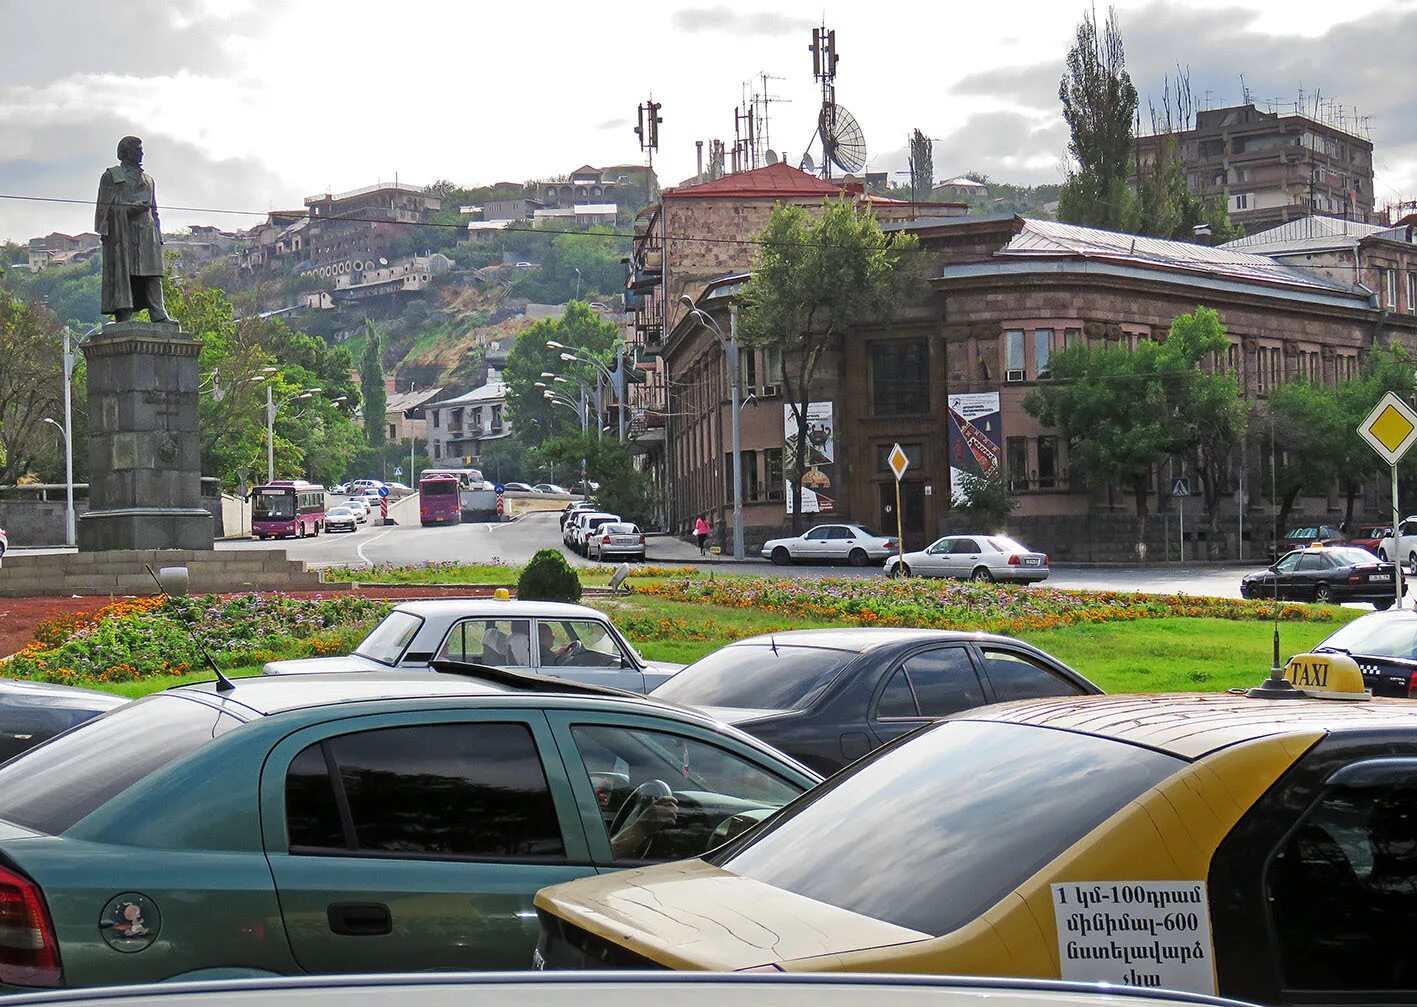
{"points": [[515, 542]]}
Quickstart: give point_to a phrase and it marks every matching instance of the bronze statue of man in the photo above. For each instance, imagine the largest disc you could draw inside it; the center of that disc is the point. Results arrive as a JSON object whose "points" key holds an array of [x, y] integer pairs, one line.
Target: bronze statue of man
{"points": [[127, 223]]}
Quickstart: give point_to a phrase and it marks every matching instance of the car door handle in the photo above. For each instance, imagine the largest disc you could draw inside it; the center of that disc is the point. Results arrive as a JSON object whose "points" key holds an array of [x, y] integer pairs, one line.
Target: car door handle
{"points": [[360, 919]]}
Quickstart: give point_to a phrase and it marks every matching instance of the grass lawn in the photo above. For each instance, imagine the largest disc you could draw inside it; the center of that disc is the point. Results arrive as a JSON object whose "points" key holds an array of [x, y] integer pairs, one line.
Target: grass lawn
{"points": [[1147, 655]]}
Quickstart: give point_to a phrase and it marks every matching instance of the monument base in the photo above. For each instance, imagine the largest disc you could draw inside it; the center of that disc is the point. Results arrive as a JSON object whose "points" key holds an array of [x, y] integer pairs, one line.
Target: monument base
{"points": [[145, 528]]}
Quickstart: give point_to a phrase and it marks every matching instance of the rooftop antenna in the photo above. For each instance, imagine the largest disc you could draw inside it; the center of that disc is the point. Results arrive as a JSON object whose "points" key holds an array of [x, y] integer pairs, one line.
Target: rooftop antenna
{"points": [[223, 684], [647, 127]]}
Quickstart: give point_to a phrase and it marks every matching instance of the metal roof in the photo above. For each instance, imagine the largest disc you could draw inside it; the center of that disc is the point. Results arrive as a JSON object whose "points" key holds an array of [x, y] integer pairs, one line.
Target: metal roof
{"points": [[1053, 238], [1314, 233], [1192, 725], [492, 391]]}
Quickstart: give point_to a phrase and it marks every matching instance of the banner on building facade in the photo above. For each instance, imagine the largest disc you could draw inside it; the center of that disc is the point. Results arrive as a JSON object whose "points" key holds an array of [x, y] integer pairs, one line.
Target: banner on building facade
{"points": [[819, 475], [976, 440]]}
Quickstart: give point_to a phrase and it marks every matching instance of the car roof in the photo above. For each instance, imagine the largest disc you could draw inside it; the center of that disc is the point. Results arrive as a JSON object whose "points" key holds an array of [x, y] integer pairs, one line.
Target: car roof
{"points": [[494, 607], [267, 695], [863, 638], [1193, 725]]}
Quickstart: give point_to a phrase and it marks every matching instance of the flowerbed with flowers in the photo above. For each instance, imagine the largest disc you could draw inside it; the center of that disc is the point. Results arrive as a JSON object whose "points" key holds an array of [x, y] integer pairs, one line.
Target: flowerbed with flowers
{"points": [[142, 638], [453, 572], [965, 605]]}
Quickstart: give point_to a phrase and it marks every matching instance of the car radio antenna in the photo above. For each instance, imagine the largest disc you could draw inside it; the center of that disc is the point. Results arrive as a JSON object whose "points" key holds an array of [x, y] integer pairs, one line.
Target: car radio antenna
{"points": [[223, 684]]}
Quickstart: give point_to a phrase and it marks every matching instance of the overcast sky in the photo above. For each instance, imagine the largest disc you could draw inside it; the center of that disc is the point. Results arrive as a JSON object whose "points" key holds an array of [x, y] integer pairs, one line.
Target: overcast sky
{"points": [[254, 104]]}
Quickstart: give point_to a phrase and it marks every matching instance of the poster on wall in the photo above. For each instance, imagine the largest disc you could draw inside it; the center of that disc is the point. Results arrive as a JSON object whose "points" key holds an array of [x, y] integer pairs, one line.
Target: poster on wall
{"points": [[976, 440], [819, 475]]}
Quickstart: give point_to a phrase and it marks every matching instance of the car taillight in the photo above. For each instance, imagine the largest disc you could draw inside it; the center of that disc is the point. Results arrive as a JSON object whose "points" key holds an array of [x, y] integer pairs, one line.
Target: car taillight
{"points": [[1357, 578], [605, 540], [1014, 559], [1412, 685], [642, 540], [29, 949]]}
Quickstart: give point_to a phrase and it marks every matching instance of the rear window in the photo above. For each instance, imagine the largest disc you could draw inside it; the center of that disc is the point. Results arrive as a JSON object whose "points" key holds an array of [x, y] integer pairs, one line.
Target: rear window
{"points": [[621, 529], [52, 787], [386, 642], [934, 830], [438, 488], [1352, 555], [756, 676]]}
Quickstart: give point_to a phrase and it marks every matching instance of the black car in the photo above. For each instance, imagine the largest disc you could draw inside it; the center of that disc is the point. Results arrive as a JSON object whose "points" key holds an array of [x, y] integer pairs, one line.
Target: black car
{"points": [[1327, 575], [1385, 646], [828, 696], [31, 712]]}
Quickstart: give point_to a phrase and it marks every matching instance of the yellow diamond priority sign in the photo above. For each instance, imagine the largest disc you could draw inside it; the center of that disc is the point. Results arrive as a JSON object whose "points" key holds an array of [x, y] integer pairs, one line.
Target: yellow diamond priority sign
{"points": [[1391, 428], [898, 462]]}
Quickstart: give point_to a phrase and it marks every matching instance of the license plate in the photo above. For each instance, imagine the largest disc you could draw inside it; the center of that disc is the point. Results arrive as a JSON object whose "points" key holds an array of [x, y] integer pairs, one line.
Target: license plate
{"points": [[1032, 561], [1380, 576]]}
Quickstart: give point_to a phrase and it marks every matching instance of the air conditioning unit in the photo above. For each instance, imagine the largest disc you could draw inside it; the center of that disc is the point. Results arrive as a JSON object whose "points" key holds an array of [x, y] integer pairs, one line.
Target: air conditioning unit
{"points": [[1013, 375], [770, 391]]}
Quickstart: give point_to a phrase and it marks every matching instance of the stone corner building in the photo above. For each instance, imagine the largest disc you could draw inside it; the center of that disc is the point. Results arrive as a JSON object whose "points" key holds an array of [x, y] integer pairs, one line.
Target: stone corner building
{"points": [[1302, 301]]}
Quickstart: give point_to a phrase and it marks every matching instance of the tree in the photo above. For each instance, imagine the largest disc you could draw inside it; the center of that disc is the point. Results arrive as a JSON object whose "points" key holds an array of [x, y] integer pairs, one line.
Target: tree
{"points": [[31, 385], [1208, 404], [922, 166], [1099, 103], [580, 327], [987, 499], [371, 386], [815, 279], [1124, 411], [624, 489]]}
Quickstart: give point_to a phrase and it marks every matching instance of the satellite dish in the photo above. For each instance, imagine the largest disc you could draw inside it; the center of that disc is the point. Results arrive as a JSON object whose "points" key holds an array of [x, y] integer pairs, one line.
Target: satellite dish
{"points": [[619, 576], [772, 156], [807, 163], [842, 139]]}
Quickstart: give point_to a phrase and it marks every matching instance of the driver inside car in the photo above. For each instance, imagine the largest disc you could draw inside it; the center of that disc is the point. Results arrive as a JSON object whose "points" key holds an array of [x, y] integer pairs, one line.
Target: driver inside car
{"points": [[550, 653], [635, 836]]}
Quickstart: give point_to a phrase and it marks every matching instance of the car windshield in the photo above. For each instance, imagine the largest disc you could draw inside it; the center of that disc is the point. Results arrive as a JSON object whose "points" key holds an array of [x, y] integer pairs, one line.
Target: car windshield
{"points": [[1352, 555], [340, 512], [1383, 636], [386, 642], [919, 835], [757, 676], [277, 505], [51, 787]]}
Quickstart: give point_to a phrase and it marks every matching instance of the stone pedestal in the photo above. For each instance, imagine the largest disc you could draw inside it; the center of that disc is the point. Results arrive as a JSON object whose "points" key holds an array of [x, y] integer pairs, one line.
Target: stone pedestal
{"points": [[144, 454]]}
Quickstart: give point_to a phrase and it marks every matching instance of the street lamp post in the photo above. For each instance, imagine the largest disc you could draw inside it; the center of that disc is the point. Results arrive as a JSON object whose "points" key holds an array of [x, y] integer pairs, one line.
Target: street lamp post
{"points": [[271, 407], [69, 477], [730, 347], [616, 381]]}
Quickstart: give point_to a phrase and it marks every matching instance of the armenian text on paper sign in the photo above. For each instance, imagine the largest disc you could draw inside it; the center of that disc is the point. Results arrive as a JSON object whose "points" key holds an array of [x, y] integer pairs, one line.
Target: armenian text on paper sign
{"points": [[1141, 933]]}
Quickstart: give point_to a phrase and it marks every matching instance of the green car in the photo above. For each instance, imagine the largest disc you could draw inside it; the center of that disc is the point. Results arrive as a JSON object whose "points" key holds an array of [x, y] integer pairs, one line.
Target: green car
{"points": [[348, 823]]}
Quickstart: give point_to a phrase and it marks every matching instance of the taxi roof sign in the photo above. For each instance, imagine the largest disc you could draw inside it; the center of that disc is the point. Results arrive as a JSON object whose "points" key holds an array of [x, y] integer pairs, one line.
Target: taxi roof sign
{"points": [[1327, 676], [1391, 428]]}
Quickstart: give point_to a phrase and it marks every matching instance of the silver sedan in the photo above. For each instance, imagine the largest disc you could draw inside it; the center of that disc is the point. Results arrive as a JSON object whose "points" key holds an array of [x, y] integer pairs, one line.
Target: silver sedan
{"points": [[831, 543], [973, 557]]}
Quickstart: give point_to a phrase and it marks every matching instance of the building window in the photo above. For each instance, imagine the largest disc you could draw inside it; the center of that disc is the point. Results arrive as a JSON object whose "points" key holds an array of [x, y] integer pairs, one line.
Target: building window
{"points": [[772, 474], [437, 419], [772, 365], [914, 453], [1016, 461], [393, 432], [1071, 338], [1013, 354], [1232, 358], [1242, 201], [1276, 367], [1390, 289], [900, 378], [1047, 463], [1411, 292], [1042, 350]]}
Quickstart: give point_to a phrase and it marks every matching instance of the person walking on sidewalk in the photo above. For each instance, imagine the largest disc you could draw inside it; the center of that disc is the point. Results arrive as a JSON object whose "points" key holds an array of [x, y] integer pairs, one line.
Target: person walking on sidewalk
{"points": [[701, 532]]}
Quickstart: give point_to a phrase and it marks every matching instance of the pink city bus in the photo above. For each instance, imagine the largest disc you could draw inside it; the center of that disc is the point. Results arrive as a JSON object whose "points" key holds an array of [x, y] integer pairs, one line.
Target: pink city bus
{"points": [[438, 499], [284, 508]]}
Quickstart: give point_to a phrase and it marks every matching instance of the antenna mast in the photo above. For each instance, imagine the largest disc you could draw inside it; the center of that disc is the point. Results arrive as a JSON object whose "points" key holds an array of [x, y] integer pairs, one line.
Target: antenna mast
{"points": [[647, 128], [824, 60]]}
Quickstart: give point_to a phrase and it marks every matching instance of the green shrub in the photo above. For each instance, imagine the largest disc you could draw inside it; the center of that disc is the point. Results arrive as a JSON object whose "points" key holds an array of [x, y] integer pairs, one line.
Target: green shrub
{"points": [[548, 577]]}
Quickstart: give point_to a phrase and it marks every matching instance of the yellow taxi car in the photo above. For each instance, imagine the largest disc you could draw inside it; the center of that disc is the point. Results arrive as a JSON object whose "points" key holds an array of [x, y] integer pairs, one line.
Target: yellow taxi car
{"points": [[1263, 849]]}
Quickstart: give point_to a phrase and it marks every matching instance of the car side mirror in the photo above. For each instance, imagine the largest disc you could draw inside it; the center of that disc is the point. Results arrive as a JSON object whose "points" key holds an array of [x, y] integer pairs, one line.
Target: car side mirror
{"points": [[1273, 568]]}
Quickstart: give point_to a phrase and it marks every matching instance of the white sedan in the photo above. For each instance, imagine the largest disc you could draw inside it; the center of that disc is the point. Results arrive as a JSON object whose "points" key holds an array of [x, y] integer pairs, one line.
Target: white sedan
{"points": [[548, 638], [360, 508], [973, 557], [831, 543]]}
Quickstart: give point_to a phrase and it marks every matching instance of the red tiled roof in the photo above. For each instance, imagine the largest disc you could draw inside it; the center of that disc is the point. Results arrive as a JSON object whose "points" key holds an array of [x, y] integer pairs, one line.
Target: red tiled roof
{"points": [[774, 180]]}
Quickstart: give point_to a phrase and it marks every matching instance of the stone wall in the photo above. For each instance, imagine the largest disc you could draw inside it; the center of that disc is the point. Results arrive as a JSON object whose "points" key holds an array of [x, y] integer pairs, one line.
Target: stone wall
{"points": [[124, 572], [40, 523]]}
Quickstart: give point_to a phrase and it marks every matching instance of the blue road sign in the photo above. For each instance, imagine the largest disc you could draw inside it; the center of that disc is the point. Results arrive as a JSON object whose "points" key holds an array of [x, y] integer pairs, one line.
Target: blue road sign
{"points": [[1180, 487], [383, 491], [499, 489]]}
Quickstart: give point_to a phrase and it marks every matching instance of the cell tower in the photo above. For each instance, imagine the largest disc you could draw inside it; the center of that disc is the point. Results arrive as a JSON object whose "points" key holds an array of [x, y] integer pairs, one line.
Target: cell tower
{"points": [[843, 143], [647, 127]]}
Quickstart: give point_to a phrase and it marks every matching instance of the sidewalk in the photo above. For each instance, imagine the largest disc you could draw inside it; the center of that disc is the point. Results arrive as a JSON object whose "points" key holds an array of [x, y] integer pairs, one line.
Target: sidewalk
{"points": [[672, 551]]}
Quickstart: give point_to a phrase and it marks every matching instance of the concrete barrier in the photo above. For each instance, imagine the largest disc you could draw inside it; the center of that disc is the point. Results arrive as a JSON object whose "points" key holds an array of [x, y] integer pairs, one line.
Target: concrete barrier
{"points": [[125, 572]]}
